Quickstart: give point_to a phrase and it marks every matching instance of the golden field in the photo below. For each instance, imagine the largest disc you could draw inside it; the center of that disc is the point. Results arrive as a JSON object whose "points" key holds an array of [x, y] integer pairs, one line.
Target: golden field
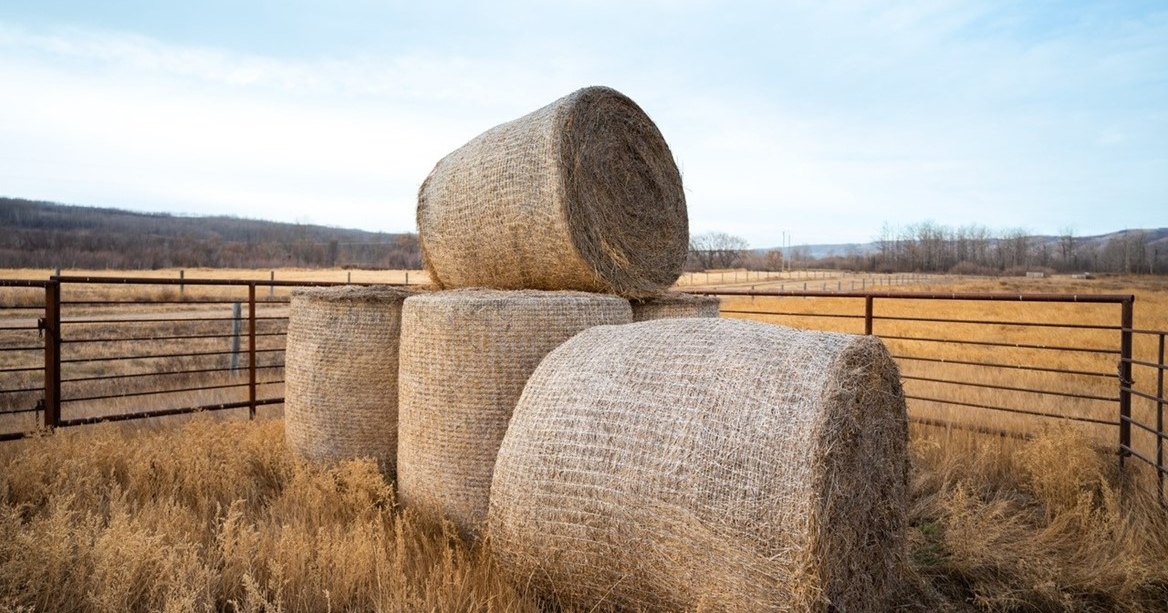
{"points": [[212, 513]]}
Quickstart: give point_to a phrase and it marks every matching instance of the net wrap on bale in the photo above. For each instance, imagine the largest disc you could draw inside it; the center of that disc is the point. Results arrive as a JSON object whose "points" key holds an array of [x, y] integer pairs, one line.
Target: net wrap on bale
{"points": [[675, 304], [582, 194], [709, 464], [341, 361], [465, 357]]}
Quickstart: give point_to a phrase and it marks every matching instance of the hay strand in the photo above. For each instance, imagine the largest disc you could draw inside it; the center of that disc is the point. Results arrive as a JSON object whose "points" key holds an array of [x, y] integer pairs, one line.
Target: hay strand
{"points": [[582, 194], [711, 464], [465, 357], [341, 361]]}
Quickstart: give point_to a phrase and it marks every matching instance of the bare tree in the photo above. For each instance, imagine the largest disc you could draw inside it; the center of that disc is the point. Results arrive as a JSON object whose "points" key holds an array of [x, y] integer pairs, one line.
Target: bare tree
{"points": [[717, 250], [1066, 245]]}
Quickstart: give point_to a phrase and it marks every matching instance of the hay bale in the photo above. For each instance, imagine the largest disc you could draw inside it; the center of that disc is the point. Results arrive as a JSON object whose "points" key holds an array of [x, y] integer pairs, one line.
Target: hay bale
{"points": [[710, 464], [582, 194], [340, 371], [675, 304], [465, 357]]}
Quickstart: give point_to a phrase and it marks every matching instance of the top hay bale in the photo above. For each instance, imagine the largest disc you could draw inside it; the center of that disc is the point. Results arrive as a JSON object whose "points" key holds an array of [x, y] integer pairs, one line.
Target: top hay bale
{"points": [[706, 464], [582, 194], [341, 362], [675, 304]]}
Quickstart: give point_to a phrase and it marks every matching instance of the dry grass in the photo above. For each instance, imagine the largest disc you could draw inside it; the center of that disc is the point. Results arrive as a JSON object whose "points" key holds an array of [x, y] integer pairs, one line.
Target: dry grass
{"points": [[218, 516], [1047, 525], [215, 514]]}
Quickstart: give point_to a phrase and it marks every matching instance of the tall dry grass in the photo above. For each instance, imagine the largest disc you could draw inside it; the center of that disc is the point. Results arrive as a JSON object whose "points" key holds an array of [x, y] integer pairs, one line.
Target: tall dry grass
{"points": [[1046, 525], [216, 515]]}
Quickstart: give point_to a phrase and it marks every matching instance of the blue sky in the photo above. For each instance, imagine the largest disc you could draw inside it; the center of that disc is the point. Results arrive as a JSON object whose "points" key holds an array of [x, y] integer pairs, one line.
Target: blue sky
{"points": [[822, 120]]}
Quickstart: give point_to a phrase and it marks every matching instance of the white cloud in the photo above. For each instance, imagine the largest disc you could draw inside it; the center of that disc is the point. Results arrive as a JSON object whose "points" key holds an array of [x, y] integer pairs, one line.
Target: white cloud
{"points": [[823, 120]]}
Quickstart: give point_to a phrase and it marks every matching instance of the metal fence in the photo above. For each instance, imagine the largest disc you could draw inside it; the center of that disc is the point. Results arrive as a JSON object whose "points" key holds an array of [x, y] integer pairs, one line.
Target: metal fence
{"points": [[90, 349], [1144, 383], [79, 350], [1004, 364]]}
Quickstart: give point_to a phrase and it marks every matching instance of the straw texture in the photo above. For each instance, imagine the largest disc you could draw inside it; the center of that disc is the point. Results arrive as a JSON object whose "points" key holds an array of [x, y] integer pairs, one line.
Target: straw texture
{"points": [[707, 464], [340, 371], [582, 194], [465, 357], [675, 304]]}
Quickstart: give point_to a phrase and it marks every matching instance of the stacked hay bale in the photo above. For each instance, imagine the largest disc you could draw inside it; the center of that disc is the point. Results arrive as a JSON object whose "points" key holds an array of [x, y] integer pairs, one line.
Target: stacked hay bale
{"points": [[560, 212], [465, 358], [675, 304], [582, 194], [706, 464], [341, 367]]}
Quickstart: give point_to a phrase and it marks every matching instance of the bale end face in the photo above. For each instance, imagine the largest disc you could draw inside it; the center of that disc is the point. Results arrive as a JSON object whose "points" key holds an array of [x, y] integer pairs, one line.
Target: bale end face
{"points": [[582, 194]]}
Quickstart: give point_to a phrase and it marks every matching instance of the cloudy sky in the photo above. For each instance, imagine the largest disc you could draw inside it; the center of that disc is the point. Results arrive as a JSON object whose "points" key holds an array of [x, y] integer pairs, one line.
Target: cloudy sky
{"points": [[824, 120]]}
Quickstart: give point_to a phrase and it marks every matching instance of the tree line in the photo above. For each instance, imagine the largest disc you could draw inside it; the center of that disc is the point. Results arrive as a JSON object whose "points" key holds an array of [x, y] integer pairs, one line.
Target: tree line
{"points": [[975, 249], [931, 247], [48, 235]]}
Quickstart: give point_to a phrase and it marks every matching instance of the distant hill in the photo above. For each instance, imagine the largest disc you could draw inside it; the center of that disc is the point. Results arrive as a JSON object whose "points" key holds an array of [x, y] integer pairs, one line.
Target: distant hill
{"points": [[49, 235]]}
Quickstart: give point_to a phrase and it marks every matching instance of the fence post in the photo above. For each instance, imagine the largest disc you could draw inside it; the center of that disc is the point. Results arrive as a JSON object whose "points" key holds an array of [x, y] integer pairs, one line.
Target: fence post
{"points": [[1160, 422], [271, 286], [868, 314], [182, 287], [1125, 379], [52, 329], [251, 350], [236, 325]]}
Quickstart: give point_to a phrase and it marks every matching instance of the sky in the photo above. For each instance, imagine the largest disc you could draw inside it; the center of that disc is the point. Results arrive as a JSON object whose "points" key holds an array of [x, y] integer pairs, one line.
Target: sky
{"points": [[805, 122]]}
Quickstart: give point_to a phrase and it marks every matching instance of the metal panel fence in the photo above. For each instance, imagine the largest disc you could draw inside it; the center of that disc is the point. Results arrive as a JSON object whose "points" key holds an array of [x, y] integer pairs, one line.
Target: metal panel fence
{"points": [[78, 350], [94, 349], [1005, 364], [1144, 383]]}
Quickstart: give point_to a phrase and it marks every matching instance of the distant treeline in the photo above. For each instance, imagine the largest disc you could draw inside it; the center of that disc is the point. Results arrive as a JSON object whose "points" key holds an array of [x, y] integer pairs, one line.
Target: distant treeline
{"points": [[930, 247], [48, 235]]}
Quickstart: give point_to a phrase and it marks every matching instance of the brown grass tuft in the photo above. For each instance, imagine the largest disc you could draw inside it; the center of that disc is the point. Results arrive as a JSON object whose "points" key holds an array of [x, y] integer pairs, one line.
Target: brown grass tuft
{"points": [[218, 515], [1046, 525]]}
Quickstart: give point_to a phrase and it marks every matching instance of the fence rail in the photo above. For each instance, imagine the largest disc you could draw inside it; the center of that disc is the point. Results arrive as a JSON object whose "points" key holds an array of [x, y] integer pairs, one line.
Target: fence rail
{"points": [[93, 349], [79, 350], [989, 366]]}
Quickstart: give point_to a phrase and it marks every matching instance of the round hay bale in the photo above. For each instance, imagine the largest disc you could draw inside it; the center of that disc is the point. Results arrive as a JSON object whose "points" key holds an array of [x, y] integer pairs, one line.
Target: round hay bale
{"points": [[706, 464], [465, 357], [340, 372], [675, 304], [582, 194]]}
